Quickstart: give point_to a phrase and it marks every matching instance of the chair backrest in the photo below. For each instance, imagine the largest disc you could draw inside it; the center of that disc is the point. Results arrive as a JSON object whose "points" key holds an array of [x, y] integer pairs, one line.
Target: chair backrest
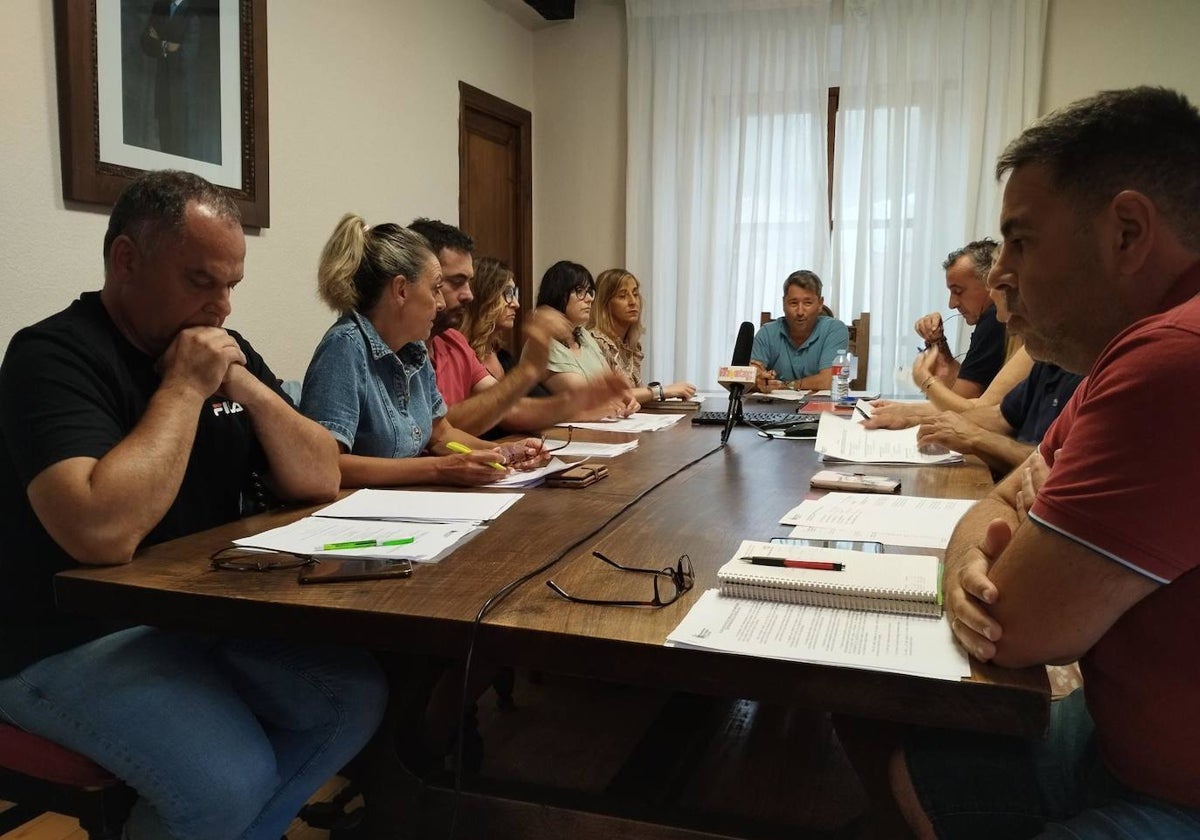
{"points": [[860, 346]]}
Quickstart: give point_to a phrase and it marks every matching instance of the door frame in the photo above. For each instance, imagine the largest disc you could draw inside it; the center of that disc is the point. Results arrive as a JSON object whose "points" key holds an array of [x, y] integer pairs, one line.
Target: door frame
{"points": [[473, 99]]}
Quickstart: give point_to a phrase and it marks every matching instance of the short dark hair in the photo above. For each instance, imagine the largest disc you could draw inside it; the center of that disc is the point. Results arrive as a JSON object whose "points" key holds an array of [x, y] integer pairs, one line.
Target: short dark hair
{"points": [[982, 253], [804, 279], [156, 201], [440, 235], [1143, 138], [559, 281]]}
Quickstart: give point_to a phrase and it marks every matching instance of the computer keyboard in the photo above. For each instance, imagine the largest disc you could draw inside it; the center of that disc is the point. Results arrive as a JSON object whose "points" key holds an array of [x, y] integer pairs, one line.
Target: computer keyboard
{"points": [[757, 418]]}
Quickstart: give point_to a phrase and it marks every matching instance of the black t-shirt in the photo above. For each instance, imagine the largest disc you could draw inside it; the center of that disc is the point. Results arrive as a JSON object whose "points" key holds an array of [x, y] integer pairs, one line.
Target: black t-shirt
{"points": [[1037, 400], [73, 386], [985, 355]]}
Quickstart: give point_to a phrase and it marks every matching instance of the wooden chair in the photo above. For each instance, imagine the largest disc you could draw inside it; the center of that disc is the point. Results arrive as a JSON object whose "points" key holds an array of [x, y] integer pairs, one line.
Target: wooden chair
{"points": [[39, 775], [860, 346]]}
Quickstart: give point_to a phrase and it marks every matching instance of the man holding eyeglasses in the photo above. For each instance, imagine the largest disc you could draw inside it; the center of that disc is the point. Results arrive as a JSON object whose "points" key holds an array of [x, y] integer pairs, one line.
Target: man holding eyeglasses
{"points": [[130, 418], [477, 401]]}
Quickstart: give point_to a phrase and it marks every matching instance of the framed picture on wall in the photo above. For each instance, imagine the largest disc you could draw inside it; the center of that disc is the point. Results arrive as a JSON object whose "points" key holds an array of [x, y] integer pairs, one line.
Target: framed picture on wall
{"points": [[163, 84]]}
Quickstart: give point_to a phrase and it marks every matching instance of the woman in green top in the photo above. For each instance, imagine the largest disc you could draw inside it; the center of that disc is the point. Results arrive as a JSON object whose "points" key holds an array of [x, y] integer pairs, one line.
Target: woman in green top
{"points": [[569, 288]]}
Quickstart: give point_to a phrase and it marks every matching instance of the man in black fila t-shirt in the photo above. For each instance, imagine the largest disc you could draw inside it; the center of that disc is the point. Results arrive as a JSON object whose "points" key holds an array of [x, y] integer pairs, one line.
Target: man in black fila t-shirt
{"points": [[133, 417]]}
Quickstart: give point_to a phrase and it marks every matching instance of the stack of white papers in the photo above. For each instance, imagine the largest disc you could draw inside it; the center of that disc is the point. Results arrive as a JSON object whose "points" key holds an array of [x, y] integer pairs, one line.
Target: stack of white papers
{"points": [[586, 449], [421, 506], [862, 395], [429, 540], [849, 638], [639, 422], [781, 395], [845, 440], [530, 478], [892, 520]]}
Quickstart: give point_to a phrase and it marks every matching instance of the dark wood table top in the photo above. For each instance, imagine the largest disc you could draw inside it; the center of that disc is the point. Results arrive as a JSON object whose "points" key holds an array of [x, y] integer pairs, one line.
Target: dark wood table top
{"points": [[677, 492]]}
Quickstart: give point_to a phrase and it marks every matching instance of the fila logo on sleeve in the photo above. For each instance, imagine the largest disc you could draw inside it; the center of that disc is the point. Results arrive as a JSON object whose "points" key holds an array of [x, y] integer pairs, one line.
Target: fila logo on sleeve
{"points": [[226, 407]]}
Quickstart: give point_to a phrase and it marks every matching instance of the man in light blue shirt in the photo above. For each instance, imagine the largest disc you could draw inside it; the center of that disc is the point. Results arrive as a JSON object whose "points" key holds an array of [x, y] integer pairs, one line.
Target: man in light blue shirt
{"points": [[796, 350]]}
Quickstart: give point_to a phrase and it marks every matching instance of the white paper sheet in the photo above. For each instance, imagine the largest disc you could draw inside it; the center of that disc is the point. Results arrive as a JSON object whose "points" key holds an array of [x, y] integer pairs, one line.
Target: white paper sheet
{"points": [[844, 439], [781, 395], [586, 449], [420, 506], [850, 638], [309, 535], [893, 520], [639, 422], [531, 478]]}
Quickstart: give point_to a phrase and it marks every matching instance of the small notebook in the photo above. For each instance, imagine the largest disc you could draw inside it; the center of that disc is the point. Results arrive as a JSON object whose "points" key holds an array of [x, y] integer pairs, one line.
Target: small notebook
{"points": [[890, 583]]}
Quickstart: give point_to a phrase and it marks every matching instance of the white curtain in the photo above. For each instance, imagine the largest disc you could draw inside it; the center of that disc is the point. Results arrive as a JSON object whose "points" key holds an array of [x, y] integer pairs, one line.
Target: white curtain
{"points": [[931, 91], [727, 174]]}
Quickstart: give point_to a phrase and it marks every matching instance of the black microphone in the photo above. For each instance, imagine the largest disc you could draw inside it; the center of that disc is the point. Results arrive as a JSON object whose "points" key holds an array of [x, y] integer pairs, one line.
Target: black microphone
{"points": [[737, 376]]}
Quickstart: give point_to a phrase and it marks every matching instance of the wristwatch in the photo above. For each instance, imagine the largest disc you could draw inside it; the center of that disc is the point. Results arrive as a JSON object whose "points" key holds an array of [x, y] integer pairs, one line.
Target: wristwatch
{"points": [[657, 388]]}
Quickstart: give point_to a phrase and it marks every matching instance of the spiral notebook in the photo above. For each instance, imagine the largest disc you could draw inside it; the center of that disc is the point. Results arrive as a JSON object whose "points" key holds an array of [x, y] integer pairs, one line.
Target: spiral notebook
{"points": [[892, 583]]}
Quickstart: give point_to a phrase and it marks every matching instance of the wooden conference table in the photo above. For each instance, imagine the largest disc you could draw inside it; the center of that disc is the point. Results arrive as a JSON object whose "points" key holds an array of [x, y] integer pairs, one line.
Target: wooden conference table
{"points": [[677, 492]]}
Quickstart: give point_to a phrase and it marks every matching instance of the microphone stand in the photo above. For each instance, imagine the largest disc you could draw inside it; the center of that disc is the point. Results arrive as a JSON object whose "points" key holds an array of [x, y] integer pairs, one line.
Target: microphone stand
{"points": [[734, 415]]}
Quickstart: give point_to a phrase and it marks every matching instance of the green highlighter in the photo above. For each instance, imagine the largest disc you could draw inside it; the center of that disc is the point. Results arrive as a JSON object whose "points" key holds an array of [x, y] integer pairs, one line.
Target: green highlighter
{"points": [[340, 546]]}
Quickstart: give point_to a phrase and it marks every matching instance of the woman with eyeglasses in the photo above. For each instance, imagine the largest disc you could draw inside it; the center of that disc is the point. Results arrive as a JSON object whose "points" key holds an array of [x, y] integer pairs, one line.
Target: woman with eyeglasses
{"points": [[370, 381], [488, 321], [616, 324], [569, 288], [491, 315]]}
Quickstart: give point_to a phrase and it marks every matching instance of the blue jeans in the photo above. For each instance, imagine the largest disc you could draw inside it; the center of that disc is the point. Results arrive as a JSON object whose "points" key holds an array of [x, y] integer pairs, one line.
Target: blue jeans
{"points": [[1054, 789], [221, 738]]}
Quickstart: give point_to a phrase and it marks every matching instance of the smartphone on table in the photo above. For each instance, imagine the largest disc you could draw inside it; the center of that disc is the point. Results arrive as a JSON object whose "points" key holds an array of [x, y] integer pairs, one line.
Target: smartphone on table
{"points": [[845, 545], [339, 569]]}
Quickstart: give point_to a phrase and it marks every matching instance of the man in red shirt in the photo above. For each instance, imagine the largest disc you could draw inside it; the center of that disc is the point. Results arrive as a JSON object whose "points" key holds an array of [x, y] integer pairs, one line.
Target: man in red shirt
{"points": [[477, 401], [1100, 266]]}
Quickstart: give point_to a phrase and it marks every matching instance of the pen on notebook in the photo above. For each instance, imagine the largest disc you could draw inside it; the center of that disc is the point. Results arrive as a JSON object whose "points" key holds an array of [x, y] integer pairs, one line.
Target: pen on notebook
{"points": [[339, 546], [818, 565], [461, 449]]}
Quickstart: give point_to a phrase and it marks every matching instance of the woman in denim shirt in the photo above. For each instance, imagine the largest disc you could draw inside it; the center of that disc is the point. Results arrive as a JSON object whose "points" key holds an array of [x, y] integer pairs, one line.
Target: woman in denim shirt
{"points": [[370, 381]]}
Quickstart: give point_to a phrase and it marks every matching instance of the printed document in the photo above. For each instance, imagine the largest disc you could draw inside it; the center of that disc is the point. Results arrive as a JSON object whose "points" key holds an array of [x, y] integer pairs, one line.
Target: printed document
{"points": [[872, 641], [844, 439], [586, 449], [638, 422], [892, 520]]}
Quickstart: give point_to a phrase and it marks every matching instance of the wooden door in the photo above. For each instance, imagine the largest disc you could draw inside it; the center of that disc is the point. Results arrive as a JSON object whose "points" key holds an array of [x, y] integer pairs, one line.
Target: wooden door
{"points": [[495, 199]]}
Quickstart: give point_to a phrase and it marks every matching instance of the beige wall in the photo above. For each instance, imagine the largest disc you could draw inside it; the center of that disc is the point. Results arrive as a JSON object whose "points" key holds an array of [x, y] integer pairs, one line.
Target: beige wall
{"points": [[364, 117], [579, 138], [1095, 45]]}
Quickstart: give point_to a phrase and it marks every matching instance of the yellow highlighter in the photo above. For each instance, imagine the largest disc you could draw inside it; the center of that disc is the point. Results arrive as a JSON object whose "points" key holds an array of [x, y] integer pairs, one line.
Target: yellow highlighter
{"points": [[461, 449]]}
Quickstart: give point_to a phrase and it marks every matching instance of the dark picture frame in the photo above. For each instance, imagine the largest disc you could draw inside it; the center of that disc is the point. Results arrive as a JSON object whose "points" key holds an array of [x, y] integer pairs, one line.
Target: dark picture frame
{"points": [[88, 178]]}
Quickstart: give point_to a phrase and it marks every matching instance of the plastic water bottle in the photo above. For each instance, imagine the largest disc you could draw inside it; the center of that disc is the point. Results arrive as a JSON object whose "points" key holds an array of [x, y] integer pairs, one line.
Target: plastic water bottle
{"points": [[840, 387]]}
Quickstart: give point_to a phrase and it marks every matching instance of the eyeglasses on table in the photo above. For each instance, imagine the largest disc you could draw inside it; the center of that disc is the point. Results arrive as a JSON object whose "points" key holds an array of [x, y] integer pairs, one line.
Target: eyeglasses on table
{"points": [[239, 559], [561, 444], [669, 583]]}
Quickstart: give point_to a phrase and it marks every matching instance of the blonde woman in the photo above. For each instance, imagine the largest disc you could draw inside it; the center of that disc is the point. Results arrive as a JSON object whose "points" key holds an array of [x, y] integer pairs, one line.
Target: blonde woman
{"points": [[370, 382], [616, 324]]}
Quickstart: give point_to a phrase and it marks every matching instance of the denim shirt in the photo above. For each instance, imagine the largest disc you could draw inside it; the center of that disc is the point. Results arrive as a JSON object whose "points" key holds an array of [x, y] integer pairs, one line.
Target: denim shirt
{"points": [[375, 402]]}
